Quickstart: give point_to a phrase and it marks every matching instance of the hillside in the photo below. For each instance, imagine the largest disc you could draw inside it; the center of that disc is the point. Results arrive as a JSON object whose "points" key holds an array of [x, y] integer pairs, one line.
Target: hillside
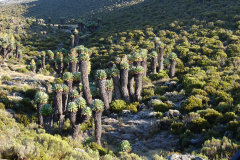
{"points": [[173, 89]]}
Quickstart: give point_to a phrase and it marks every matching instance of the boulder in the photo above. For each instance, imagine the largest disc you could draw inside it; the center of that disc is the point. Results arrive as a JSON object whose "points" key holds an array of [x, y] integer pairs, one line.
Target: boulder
{"points": [[126, 113], [173, 113]]}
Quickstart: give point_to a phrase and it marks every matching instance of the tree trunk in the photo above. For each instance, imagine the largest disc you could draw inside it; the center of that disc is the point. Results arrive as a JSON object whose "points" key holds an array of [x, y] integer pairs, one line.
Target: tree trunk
{"points": [[98, 125], [118, 66], [61, 118], [20, 57], [137, 63], [130, 87], [76, 39], [72, 67], [86, 89], [17, 49], [109, 93], [117, 86], [75, 128], [75, 85], [64, 101], [72, 42], [144, 65], [58, 102], [160, 59], [172, 68], [65, 66], [138, 86], [154, 65], [103, 95], [43, 61], [69, 84], [47, 123], [124, 83], [40, 118], [73, 99], [60, 69]]}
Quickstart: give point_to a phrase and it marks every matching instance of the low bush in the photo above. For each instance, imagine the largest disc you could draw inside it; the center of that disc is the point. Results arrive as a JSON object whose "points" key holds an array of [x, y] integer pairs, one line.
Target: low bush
{"points": [[147, 93], [157, 76], [161, 107], [198, 124], [94, 146], [192, 104], [177, 128], [118, 106], [210, 115], [185, 138], [2, 106], [233, 126], [133, 107]]}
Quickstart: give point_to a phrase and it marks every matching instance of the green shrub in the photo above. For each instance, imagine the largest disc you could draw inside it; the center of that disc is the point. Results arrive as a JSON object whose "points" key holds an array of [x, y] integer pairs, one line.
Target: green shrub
{"points": [[216, 148], [94, 146], [222, 96], [177, 128], [147, 93], [30, 93], [25, 105], [210, 114], [157, 76], [159, 91], [198, 124], [124, 146], [184, 138], [22, 70], [192, 104], [23, 119], [229, 116], [2, 106], [118, 106], [199, 92], [233, 126], [191, 83], [133, 107], [211, 133], [6, 78], [161, 107], [224, 107]]}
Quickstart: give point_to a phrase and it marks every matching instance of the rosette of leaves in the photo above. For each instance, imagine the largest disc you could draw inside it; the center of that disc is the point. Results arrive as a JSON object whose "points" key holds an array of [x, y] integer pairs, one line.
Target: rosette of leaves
{"points": [[87, 111], [138, 70], [130, 58], [46, 110], [132, 71], [101, 74], [81, 102], [57, 88], [154, 54], [39, 62], [109, 85], [166, 62], [156, 39], [41, 97], [50, 53], [113, 71], [77, 76], [160, 45], [72, 36], [52, 61], [143, 54], [172, 56], [137, 56], [33, 66], [20, 52], [65, 60], [65, 88], [59, 57], [43, 53], [74, 93], [83, 57], [28, 67], [124, 65], [118, 60], [94, 90], [72, 107], [97, 105], [124, 146], [72, 59], [68, 76]]}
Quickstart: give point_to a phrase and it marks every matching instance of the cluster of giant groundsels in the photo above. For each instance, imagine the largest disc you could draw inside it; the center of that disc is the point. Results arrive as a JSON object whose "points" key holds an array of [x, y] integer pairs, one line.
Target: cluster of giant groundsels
{"points": [[74, 99]]}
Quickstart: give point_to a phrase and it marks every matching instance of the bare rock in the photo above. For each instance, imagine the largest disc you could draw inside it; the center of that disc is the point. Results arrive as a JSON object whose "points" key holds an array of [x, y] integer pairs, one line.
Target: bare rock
{"points": [[80, 150], [173, 113]]}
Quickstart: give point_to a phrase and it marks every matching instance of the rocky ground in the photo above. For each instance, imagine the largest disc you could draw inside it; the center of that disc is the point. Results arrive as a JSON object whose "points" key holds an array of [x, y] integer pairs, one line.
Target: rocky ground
{"points": [[9, 2]]}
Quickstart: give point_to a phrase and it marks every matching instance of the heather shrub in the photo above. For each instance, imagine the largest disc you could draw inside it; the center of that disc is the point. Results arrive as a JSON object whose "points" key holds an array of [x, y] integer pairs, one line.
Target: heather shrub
{"points": [[118, 106], [133, 107], [177, 128], [210, 115], [148, 92], [161, 107], [233, 126], [192, 104], [185, 138], [198, 124]]}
